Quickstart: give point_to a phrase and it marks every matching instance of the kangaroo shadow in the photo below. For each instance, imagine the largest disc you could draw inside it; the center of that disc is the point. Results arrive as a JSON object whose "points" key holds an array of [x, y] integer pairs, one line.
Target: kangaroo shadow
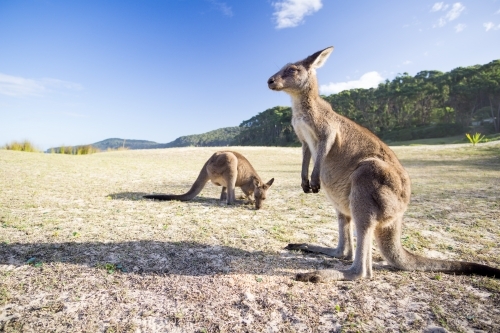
{"points": [[133, 196], [136, 196], [156, 257]]}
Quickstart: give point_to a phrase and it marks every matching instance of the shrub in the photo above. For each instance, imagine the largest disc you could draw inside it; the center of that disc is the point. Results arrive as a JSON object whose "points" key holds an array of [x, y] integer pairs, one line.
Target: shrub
{"points": [[117, 149], [77, 150], [85, 150], [21, 146], [475, 138]]}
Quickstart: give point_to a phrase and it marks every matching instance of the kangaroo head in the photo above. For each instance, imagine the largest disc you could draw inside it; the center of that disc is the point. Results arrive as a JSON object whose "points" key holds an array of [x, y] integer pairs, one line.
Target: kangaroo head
{"points": [[259, 192], [299, 76]]}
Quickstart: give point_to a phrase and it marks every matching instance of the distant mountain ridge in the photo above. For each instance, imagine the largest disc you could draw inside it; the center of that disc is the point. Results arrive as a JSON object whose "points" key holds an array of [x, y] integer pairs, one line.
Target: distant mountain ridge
{"points": [[115, 143], [216, 138]]}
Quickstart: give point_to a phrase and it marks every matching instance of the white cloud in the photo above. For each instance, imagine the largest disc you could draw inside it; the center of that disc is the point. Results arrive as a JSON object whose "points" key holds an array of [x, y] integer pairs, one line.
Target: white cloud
{"points": [[407, 62], [439, 6], [223, 7], [366, 81], [18, 86], [491, 26], [460, 27], [441, 22], [290, 13], [456, 10]]}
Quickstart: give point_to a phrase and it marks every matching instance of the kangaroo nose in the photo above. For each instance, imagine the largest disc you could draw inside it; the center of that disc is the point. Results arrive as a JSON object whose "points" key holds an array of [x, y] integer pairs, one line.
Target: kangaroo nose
{"points": [[270, 81]]}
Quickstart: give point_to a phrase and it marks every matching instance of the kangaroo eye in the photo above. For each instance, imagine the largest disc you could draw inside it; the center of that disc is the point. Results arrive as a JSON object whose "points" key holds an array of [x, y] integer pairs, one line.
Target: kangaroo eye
{"points": [[291, 70]]}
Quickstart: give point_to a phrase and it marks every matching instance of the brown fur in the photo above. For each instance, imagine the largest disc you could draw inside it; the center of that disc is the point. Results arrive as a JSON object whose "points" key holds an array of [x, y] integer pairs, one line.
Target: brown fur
{"points": [[228, 169], [361, 177]]}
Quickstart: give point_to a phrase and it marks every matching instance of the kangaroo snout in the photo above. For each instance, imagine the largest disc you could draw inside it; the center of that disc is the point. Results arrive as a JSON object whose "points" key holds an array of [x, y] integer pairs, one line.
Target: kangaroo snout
{"points": [[272, 84]]}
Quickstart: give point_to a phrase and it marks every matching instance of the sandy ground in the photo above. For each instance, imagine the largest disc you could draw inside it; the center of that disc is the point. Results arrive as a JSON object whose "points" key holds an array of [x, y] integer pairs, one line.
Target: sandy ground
{"points": [[81, 251]]}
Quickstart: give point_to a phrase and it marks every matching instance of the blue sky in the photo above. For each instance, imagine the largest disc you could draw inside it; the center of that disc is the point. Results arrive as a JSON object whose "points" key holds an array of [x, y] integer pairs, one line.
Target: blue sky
{"points": [[77, 72]]}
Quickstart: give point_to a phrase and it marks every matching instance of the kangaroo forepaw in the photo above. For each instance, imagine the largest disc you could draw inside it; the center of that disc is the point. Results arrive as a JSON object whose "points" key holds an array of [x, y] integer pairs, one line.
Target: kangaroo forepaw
{"points": [[315, 186], [313, 277], [305, 186]]}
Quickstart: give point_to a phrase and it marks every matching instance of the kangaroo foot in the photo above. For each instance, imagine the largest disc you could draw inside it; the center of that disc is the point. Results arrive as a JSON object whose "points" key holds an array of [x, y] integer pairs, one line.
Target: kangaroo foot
{"points": [[308, 277]]}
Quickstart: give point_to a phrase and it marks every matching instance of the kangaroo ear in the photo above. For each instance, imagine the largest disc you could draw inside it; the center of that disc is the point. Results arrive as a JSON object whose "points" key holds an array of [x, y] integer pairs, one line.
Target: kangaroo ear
{"points": [[269, 183], [318, 59]]}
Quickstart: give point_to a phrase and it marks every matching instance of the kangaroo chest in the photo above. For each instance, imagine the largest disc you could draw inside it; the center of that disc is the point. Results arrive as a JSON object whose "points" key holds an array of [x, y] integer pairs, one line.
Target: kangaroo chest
{"points": [[305, 134]]}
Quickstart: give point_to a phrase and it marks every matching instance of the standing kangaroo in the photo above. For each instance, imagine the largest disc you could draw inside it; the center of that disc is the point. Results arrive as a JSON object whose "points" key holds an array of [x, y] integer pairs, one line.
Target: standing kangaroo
{"points": [[228, 169], [361, 177]]}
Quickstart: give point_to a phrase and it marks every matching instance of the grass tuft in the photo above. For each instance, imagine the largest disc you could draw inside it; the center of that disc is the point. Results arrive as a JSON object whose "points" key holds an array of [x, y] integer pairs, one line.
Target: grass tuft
{"points": [[21, 146], [76, 150], [475, 138]]}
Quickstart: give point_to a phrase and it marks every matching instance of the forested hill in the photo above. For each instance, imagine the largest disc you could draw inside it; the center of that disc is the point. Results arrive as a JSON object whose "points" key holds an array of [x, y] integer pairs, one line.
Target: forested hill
{"points": [[115, 143], [217, 138], [430, 104]]}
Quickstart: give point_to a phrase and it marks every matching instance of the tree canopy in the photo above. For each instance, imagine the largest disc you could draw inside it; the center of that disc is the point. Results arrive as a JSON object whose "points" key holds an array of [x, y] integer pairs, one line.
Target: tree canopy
{"points": [[216, 138]]}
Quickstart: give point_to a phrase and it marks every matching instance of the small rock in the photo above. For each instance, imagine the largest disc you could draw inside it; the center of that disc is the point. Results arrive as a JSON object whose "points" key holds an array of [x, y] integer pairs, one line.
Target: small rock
{"points": [[249, 296], [435, 329], [412, 317]]}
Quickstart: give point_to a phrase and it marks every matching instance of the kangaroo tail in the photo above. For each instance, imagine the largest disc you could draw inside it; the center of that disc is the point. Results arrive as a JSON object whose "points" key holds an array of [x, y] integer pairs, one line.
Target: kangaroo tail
{"points": [[195, 189], [389, 240]]}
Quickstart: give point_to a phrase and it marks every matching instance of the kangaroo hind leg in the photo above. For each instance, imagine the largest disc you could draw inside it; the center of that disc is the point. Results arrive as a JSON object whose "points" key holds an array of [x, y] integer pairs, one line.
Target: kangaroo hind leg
{"points": [[362, 264], [223, 194], [231, 176], [345, 248]]}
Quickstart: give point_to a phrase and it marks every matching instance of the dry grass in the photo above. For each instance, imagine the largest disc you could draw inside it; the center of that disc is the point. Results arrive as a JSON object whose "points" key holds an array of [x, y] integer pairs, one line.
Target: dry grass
{"points": [[25, 145], [81, 251], [76, 150]]}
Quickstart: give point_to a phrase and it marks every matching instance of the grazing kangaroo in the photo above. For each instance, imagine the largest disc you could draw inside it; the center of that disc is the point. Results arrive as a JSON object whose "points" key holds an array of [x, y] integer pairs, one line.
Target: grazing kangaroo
{"points": [[361, 177], [228, 169]]}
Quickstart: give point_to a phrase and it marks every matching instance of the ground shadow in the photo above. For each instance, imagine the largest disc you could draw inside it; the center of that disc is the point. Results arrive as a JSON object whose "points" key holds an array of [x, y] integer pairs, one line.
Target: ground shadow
{"points": [[135, 196], [155, 257]]}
